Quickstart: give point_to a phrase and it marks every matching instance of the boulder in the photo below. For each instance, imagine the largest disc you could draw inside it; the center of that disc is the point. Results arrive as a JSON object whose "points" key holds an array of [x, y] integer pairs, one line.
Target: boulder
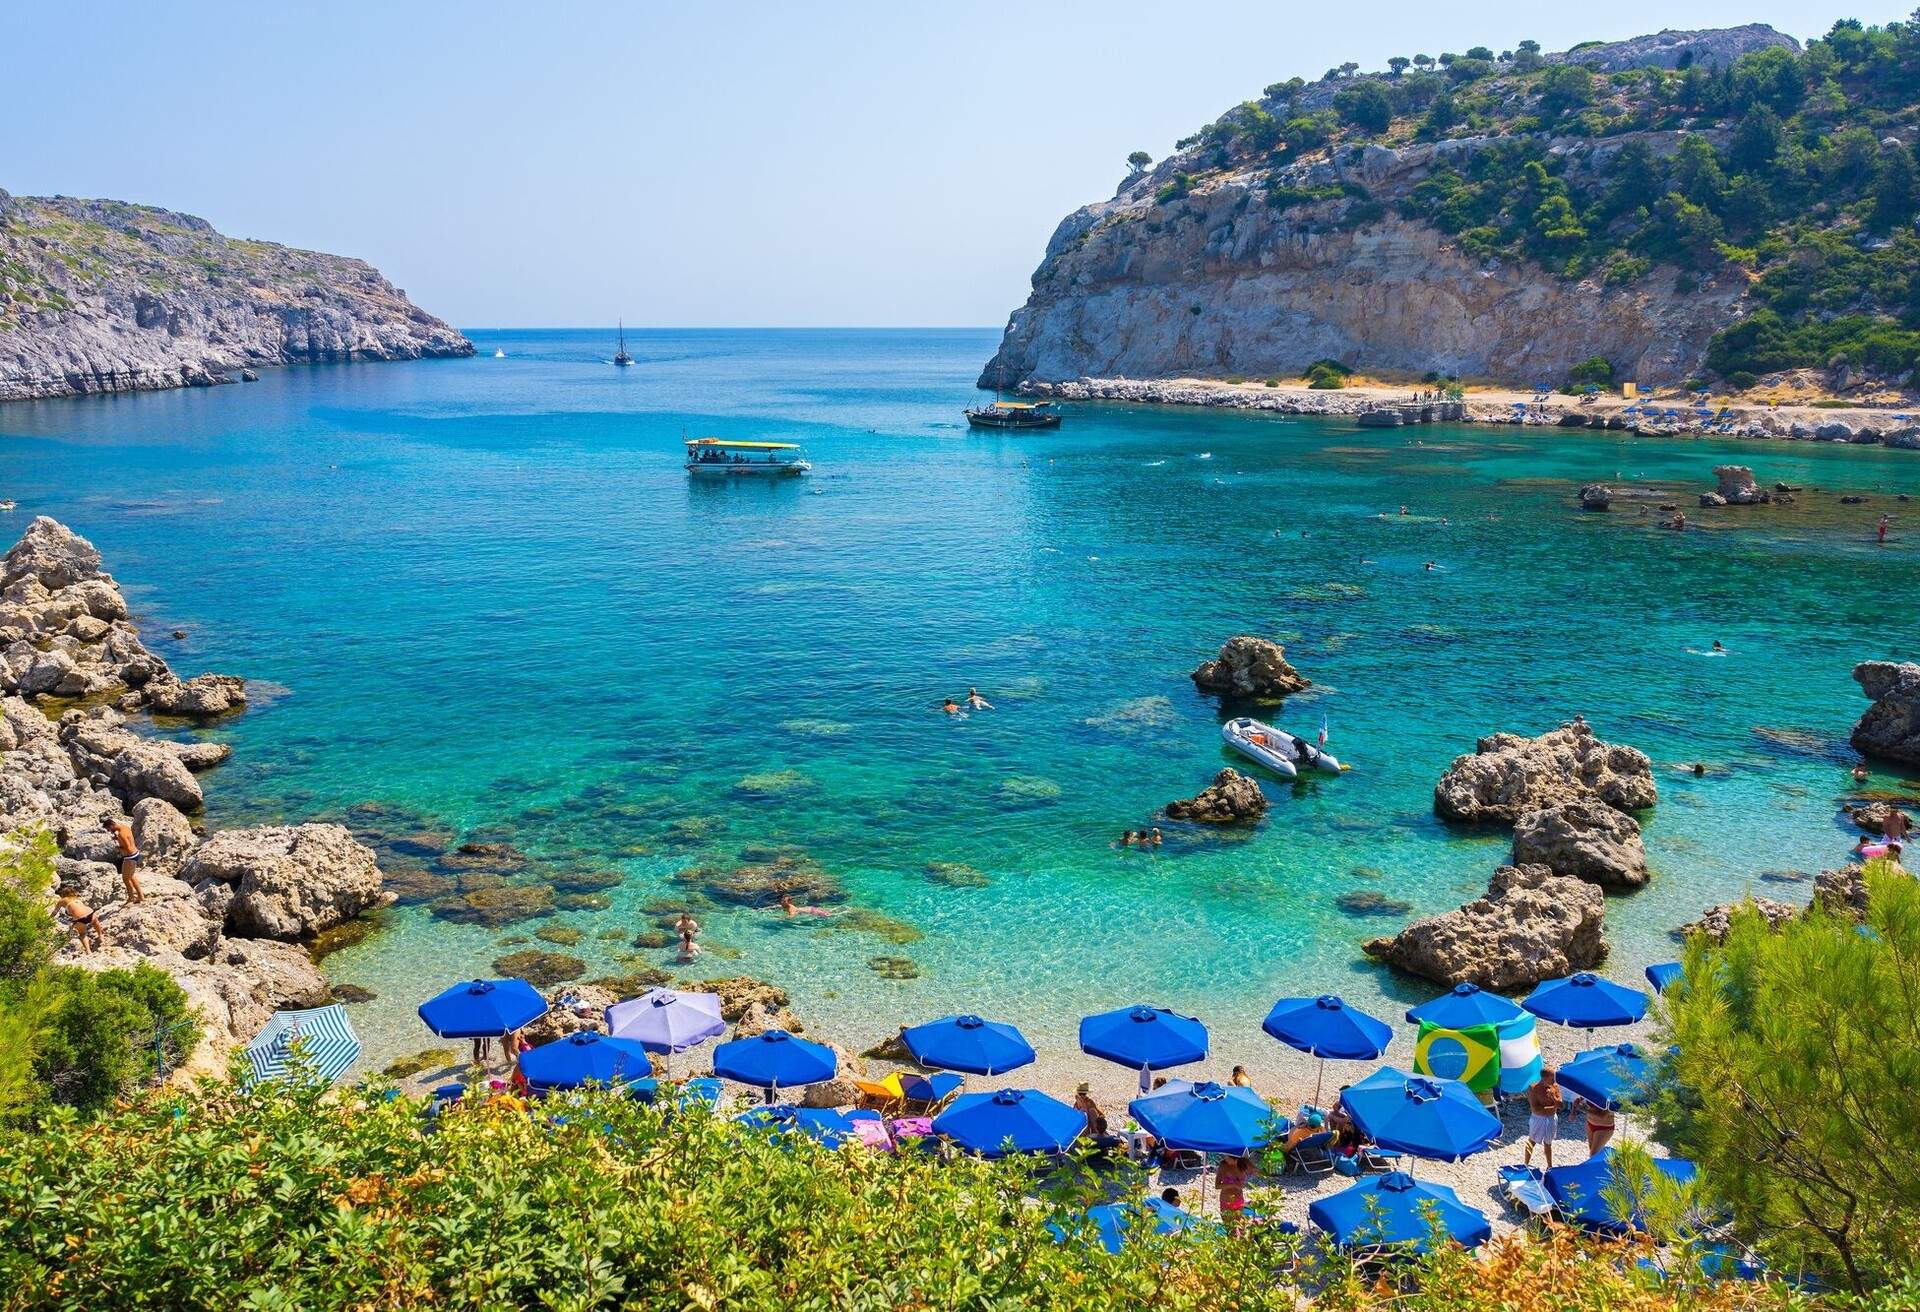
{"points": [[1891, 726], [1737, 486], [52, 555], [1596, 496], [163, 835], [1232, 798], [149, 769], [1873, 816], [759, 1017], [1508, 776], [201, 756], [1586, 839], [289, 882], [840, 1091], [740, 992], [1717, 921], [201, 697], [169, 919], [585, 1009], [1842, 892], [1531, 925], [1252, 668]]}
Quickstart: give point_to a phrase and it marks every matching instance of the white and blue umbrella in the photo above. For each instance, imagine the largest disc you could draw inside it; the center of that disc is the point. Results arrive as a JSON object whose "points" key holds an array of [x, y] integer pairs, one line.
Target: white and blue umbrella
{"points": [[322, 1038]]}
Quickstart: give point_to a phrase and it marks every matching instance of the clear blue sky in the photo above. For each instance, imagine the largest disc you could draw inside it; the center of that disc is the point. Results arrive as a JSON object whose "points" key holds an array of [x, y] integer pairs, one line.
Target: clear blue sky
{"points": [[689, 162]]}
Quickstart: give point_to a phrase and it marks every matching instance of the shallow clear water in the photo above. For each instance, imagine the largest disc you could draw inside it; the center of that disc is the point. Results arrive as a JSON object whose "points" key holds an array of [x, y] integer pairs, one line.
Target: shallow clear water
{"points": [[494, 598]]}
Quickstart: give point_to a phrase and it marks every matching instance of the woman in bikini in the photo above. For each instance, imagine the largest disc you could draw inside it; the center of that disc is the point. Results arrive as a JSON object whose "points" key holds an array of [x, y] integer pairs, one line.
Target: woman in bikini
{"points": [[83, 922]]}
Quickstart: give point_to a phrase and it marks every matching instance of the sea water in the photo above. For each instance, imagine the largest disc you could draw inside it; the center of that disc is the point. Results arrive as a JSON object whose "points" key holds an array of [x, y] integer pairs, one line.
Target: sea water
{"points": [[484, 595]]}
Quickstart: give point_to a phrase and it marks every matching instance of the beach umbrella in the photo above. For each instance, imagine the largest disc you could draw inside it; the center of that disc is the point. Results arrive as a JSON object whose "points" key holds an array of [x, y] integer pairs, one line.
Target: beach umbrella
{"points": [[1394, 1209], [704, 1091], [322, 1038], [661, 1020], [584, 1058], [830, 1126], [483, 1009], [1585, 1001], [774, 1059], [1112, 1221], [1464, 1005], [1608, 1076], [1208, 1117], [1325, 1027], [1010, 1121], [1662, 975], [1580, 1191], [1423, 1115], [970, 1044], [1145, 1039]]}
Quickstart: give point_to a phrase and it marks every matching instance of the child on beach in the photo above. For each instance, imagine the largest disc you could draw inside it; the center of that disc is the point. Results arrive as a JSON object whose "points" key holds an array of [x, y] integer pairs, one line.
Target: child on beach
{"points": [[83, 922]]}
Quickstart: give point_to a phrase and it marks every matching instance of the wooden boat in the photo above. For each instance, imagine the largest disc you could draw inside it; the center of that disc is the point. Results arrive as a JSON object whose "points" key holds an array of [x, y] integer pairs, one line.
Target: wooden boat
{"points": [[1281, 752], [716, 457], [1014, 415]]}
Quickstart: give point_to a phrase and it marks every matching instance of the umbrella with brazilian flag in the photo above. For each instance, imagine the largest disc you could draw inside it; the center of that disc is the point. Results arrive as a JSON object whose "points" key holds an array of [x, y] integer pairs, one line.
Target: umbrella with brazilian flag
{"points": [[1468, 1053]]}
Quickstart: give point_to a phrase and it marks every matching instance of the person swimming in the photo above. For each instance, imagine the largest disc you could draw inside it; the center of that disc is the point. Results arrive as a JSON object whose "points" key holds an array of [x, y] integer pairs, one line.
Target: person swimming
{"points": [[1718, 646], [975, 700], [950, 706]]}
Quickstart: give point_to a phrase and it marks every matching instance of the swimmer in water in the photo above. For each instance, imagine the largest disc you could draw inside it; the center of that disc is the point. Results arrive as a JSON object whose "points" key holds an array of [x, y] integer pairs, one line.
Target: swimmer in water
{"points": [[786, 905], [1860, 774], [1431, 565], [975, 700], [1153, 839], [1699, 770], [1403, 510], [950, 706], [1718, 649]]}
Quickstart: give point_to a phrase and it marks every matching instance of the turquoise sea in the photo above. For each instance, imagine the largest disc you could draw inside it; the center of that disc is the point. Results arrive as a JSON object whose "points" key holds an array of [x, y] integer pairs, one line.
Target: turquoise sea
{"points": [[492, 603]]}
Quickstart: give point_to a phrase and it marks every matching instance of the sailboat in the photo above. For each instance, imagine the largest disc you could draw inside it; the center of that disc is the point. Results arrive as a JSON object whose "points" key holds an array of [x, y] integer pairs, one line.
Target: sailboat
{"points": [[1012, 414], [620, 356]]}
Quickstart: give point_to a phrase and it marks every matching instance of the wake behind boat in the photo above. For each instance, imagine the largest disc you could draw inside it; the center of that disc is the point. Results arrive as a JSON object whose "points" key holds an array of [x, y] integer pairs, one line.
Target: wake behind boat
{"points": [[1281, 752]]}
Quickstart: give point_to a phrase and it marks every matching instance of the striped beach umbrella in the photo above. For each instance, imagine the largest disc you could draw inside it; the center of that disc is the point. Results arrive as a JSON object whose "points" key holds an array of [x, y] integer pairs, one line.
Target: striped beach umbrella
{"points": [[322, 1038]]}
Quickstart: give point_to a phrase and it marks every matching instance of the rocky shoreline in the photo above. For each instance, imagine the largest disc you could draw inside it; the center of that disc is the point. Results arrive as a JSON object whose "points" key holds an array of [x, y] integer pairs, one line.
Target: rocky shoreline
{"points": [[1853, 427]]}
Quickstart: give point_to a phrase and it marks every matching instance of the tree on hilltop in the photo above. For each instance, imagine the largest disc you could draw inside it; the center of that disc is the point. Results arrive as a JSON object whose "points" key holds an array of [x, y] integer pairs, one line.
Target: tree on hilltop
{"points": [[1137, 162]]}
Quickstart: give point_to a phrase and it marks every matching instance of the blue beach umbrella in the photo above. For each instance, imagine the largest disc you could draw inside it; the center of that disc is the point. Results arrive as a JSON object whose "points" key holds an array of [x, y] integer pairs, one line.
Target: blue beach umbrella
{"points": [[1580, 1191], [1010, 1121], [1609, 1076], [1463, 1006], [1145, 1039], [1112, 1221], [1325, 1027], [584, 1058], [703, 1092], [1424, 1115], [1394, 1209], [662, 1020], [773, 1060], [1662, 974], [483, 1009], [830, 1126], [1208, 1117], [1585, 1001], [970, 1044], [322, 1038]]}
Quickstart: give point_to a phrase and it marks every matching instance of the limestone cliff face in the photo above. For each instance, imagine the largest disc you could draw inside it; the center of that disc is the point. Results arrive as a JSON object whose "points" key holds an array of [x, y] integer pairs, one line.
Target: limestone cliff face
{"points": [[1228, 281], [103, 296], [1220, 283]]}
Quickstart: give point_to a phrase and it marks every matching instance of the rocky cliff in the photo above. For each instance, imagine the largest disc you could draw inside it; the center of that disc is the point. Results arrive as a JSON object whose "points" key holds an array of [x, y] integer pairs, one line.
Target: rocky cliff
{"points": [[1301, 226], [103, 296]]}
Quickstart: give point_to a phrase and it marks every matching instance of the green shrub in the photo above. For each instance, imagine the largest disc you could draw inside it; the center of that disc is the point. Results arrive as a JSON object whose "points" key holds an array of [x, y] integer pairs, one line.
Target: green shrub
{"points": [[1594, 369], [1180, 185]]}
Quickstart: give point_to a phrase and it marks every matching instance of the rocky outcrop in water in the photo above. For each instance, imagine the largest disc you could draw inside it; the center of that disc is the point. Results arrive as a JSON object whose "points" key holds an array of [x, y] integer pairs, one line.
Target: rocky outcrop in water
{"points": [[1232, 798], [1254, 669], [1508, 775], [1586, 839], [1891, 726], [1736, 487], [1531, 925], [1716, 922], [221, 912], [103, 296]]}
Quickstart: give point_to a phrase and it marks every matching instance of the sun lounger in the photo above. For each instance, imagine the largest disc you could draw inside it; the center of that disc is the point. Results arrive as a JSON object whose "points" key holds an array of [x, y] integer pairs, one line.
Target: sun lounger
{"points": [[923, 1095], [1313, 1155], [1524, 1188]]}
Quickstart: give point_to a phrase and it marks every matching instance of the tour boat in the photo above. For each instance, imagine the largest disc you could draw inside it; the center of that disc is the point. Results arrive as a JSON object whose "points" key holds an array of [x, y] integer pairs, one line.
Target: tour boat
{"points": [[1014, 414], [620, 356], [716, 457], [1278, 750]]}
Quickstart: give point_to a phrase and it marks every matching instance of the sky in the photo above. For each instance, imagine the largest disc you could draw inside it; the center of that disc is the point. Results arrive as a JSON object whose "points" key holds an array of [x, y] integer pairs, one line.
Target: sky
{"points": [[691, 162]]}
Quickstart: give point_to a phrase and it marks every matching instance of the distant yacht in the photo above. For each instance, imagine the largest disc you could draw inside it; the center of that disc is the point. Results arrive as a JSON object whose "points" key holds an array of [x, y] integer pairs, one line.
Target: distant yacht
{"points": [[620, 356], [499, 354]]}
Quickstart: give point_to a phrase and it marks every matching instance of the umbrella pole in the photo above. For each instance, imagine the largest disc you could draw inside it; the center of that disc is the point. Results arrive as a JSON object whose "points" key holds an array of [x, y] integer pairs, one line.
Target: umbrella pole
{"points": [[1319, 1079]]}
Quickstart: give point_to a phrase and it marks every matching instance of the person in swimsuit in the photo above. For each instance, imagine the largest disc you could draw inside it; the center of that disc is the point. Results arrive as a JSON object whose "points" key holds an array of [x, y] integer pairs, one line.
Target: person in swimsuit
{"points": [[975, 700], [950, 706], [786, 905], [1600, 1126], [1240, 1077], [83, 922], [1543, 1118], [1860, 774], [688, 928], [1126, 838], [129, 856], [1897, 827], [1230, 1177], [1153, 839]]}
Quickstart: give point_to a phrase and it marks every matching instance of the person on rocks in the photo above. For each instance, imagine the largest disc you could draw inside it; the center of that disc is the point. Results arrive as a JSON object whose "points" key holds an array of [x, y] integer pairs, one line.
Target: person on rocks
{"points": [[129, 856], [83, 922], [1544, 1101]]}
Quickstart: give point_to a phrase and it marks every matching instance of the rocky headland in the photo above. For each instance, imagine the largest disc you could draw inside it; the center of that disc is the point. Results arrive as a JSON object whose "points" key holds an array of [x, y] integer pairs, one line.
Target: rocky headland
{"points": [[104, 296], [1891, 727], [228, 915]]}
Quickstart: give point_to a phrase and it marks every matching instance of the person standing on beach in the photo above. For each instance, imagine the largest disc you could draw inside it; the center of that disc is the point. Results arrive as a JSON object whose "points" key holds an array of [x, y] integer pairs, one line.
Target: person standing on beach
{"points": [[1230, 1178], [1543, 1119], [1600, 1126], [129, 856]]}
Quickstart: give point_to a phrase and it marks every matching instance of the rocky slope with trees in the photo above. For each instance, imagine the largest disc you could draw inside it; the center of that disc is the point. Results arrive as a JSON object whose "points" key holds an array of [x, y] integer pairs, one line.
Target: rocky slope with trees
{"points": [[1686, 206], [104, 296]]}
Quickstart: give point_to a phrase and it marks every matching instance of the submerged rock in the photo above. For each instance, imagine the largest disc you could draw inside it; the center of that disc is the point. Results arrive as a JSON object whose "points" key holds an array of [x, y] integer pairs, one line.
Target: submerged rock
{"points": [[1232, 798], [1508, 776], [1586, 839], [760, 884], [1255, 669], [539, 967], [1369, 902], [1531, 925], [494, 907], [1891, 727]]}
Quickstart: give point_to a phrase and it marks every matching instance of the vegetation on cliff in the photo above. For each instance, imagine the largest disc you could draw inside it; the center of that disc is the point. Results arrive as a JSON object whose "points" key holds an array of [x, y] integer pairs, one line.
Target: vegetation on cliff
{"points": [[1792, 169]]}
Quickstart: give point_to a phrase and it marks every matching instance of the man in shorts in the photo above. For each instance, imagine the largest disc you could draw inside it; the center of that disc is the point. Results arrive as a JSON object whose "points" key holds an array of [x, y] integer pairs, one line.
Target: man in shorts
{"points": [[1543, 1114]]}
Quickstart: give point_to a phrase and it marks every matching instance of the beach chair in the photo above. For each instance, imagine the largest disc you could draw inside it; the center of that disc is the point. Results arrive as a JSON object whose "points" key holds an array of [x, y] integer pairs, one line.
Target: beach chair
{"points": [[880, 1095], [1182, 1159], [1313, 1155], [1524, 1190], [923, 1095], [1374, 1158]]}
